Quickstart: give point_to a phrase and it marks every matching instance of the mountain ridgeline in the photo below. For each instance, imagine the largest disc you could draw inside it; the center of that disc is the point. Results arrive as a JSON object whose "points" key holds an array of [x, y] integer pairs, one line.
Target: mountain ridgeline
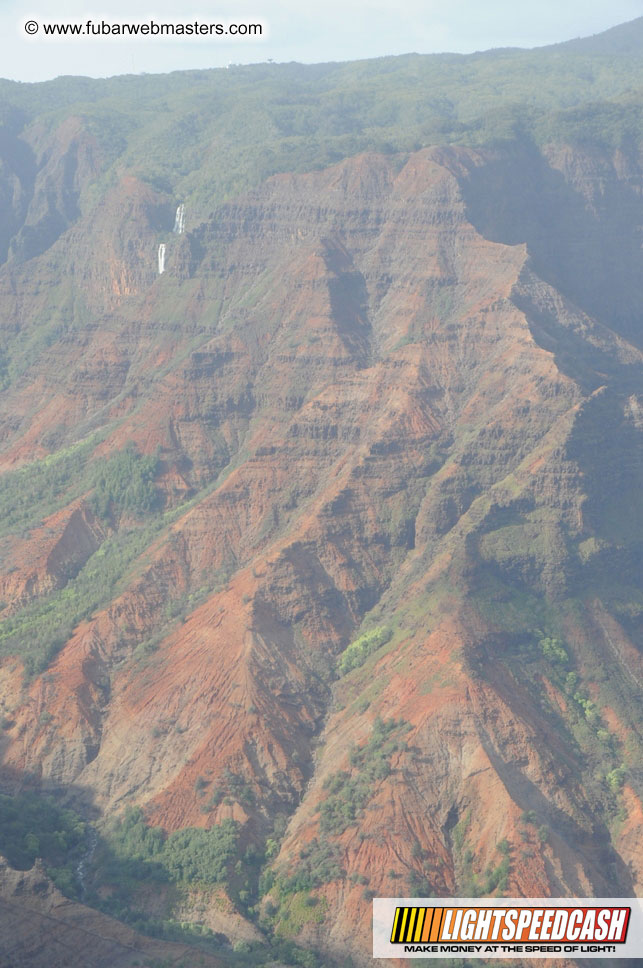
{"points": [[320, 472]]}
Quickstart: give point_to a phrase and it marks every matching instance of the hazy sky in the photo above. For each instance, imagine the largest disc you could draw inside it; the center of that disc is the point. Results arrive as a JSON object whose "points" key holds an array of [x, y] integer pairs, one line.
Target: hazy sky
{"points": [[298, 30]]}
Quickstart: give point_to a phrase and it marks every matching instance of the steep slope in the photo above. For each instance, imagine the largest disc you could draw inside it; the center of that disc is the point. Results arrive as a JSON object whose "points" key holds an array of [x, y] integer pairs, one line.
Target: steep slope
{"points": [[623, 39], [332, 530], [378, 402], [40, 927]]}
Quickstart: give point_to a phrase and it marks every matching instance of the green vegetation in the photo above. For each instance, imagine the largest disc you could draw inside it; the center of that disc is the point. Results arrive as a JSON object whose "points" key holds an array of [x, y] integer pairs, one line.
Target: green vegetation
{"points": [[129, 857], [458, 835], [358, 651], [267, 118], [535, 650], [616, 778], [125, 482], [348, 793], [492, 881], [471, 881], [233, 787], [32, 826], [584, 709], [191, 854], [255, 121], [37, 490], [319, 863], [552, 649], [41, 628], [299, 910], [133, 855], [122, 482], [539, 655]]}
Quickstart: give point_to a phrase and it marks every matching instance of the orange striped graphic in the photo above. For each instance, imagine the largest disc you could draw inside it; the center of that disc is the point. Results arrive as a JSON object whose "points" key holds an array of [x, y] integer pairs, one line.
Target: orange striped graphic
{"points": [[438, 917], [428, 920]]}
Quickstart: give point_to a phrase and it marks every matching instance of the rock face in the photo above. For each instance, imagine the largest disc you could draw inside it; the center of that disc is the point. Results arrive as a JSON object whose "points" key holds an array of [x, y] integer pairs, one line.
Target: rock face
{"points": [[379, 396], [41, 927], [51, 555]]}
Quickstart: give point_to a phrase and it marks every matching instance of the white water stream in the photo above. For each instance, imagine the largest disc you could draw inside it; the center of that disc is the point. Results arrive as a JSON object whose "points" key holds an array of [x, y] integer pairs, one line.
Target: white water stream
{"points": [[179, 220], [88, 856]]}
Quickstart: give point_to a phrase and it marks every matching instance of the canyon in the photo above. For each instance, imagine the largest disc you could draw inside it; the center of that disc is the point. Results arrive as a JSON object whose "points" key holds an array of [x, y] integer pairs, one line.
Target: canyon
{"points": [[381, 607]]}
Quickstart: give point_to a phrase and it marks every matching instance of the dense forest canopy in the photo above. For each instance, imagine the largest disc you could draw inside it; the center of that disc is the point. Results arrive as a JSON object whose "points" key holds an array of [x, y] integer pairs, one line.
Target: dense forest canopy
{"points": [[206, 135]]}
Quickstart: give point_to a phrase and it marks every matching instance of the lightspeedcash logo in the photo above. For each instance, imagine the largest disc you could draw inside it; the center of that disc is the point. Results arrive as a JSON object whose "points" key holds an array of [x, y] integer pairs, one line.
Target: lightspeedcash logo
{"points": [[516, 928]]}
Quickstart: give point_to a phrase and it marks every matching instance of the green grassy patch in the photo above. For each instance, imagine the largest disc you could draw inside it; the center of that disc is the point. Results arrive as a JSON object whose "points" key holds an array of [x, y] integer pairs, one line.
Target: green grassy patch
{"points": [[358, 651], [297, 911]]}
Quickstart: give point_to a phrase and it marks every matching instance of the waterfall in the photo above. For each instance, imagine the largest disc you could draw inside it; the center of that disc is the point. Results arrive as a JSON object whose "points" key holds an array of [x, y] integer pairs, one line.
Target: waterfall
{"points": [[88, 856], [161, 258], [179, 220]]}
